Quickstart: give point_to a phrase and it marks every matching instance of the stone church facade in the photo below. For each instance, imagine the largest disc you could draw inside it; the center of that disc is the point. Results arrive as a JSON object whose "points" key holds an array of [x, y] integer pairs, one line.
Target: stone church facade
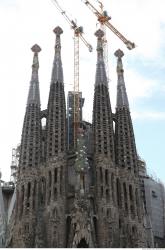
{"points": [[84, 197]]}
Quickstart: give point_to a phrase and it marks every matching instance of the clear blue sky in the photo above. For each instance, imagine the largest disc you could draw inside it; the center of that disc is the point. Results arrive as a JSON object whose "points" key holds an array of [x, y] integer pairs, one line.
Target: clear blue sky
{"points": [[24, 23]]}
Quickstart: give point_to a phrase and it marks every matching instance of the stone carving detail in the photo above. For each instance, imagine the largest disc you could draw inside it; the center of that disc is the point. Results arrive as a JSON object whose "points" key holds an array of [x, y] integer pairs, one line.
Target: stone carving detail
{"points": [[76, 198], [81, 222]]}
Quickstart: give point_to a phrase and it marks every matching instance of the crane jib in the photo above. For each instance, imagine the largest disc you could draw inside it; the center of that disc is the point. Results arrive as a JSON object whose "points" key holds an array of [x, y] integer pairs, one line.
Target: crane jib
{"points": [[103, 18]]}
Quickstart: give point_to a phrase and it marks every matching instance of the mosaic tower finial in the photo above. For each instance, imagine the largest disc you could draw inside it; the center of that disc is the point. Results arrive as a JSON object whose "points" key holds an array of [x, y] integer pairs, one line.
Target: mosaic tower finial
{"points": [[57, 71], [122, 99], [34, 93], [101, 77]]}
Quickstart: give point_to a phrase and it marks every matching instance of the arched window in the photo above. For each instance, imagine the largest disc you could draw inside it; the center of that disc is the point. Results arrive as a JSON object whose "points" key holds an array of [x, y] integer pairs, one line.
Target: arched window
{"points": [[55, 213], [43, 122]]}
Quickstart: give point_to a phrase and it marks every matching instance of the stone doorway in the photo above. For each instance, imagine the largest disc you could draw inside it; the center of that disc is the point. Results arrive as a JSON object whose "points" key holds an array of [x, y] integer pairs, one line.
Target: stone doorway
{"points": [[82, 244]]}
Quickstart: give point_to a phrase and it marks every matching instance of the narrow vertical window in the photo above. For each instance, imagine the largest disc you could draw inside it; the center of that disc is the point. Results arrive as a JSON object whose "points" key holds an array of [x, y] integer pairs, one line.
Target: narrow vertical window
{"points": [[34, 194], [125, 197], [106, 177], [28, 195], [55, 175], [118, 188], [101, 175]]}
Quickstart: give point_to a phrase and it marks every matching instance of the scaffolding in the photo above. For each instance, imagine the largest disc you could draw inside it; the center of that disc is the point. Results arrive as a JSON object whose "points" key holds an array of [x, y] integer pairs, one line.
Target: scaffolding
{"points": [[14, 163]]}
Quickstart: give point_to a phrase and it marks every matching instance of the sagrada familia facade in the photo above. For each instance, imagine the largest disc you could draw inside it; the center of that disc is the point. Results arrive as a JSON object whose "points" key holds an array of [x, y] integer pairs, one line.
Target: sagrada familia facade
{"points": [[84, 197]]}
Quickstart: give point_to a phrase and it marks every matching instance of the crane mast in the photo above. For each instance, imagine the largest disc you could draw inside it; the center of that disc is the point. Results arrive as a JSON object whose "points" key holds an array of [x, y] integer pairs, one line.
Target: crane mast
{"points": [[103, 18], [78, 34]]}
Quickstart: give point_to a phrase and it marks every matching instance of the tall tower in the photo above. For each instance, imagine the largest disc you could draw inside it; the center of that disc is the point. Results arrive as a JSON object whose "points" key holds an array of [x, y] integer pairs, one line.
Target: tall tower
{"points": [[56, 111], [126, 155], [56, 152], [129, 202], [29, 163], [102, 114], [104, 156], [77, 199]]}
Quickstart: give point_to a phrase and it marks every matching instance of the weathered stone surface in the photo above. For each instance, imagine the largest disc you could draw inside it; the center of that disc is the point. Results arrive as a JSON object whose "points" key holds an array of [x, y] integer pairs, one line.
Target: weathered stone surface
{"points": [[78, 199]]}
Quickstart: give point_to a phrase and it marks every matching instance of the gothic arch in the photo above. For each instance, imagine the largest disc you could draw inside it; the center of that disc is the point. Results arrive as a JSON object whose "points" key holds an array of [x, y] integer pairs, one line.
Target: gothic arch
{"points": [[82, 244], [55, 213]]}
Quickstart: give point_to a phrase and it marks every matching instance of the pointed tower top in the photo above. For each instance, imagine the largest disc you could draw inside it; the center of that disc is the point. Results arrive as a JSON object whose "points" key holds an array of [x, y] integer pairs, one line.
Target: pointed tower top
{"points": [[58, 30], [99, 33], [119, 53], [122, 99], [34, 94], [57, 71], [101, 77], [36, 48]]}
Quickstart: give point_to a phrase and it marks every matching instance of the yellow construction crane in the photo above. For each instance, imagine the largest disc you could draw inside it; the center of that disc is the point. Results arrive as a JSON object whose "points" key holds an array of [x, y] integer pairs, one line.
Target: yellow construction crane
{"points": [[78, 34], [103, 18]]}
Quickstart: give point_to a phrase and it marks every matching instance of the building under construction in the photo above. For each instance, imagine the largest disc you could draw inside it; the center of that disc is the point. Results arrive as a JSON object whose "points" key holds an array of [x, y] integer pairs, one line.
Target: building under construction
{"points": [[78, 198], [78, 183], [70, 116]]}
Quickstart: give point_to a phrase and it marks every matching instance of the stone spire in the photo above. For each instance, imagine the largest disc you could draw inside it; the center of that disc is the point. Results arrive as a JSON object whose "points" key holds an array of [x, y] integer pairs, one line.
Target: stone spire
{"points": [[56, 116], [34, 94], [103, 139], [57, 71], [101, 77], [102, 113], [29, 161], [31, 133], [125, 148], [122, 99], [129, 199]]}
